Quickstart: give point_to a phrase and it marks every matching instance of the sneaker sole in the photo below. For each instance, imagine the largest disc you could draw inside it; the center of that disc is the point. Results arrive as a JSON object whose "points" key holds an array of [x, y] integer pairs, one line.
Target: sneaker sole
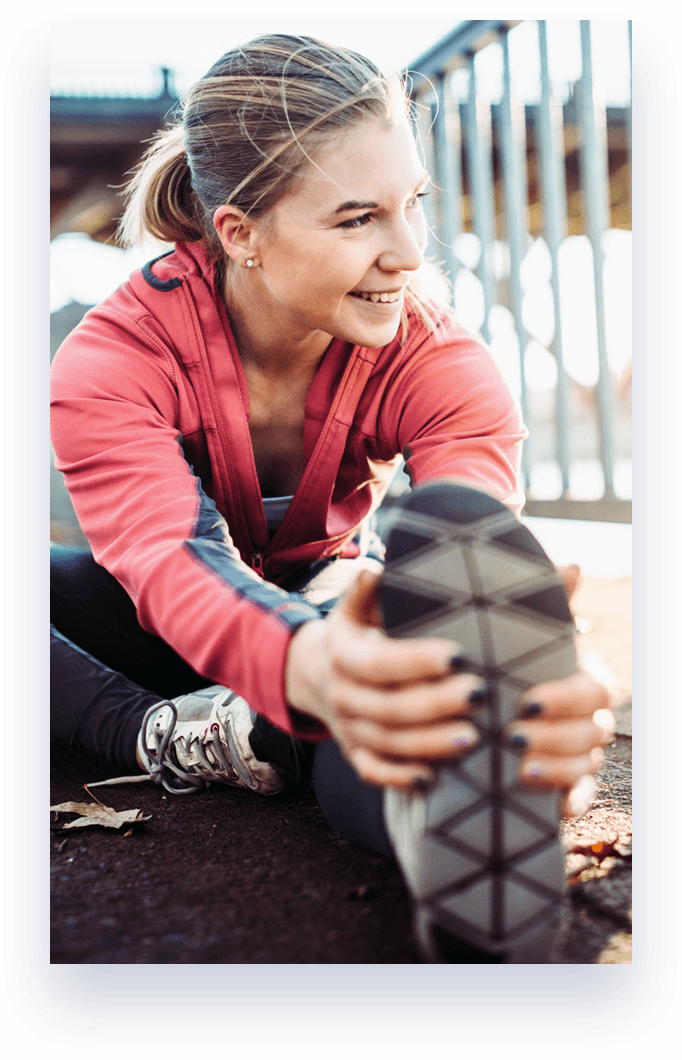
{"points": [[459, 565]]}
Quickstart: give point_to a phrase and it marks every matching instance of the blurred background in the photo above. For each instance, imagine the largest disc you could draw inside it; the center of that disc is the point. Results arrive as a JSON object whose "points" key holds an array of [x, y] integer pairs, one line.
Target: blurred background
{"points": [[526, 130]]}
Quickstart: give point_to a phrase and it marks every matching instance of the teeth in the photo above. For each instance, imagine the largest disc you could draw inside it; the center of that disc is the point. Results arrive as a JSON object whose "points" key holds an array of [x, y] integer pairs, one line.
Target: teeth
{"points": [[375, 296]]}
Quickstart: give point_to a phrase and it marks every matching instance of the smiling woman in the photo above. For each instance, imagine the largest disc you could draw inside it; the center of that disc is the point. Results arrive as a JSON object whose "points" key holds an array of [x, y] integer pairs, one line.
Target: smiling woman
{"points": [[227, 422]]}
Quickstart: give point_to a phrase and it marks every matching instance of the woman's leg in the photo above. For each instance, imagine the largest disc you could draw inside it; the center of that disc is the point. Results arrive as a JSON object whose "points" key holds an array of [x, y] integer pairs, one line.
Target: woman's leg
{"points": [[92, 610], [92, 706], [354, 809]]}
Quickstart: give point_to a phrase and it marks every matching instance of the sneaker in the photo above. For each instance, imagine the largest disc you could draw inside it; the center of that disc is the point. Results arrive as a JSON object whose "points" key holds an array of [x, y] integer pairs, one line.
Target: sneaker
{"points": [[480, 852], [190, 742]]}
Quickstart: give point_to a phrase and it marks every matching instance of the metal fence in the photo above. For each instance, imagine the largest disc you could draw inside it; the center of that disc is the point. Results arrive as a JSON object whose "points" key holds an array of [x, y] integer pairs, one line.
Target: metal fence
{"points": [[530, 164]]}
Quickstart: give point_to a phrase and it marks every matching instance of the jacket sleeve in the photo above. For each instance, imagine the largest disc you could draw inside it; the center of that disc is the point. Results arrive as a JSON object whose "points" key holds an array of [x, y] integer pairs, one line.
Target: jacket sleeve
{"points": [[150, 524], [451, 415]]}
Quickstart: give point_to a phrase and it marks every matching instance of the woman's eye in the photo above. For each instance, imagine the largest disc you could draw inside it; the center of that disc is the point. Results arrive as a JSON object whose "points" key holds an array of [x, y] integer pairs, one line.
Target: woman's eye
{"points": [[415, 200], [365, 218], [356, 222]]}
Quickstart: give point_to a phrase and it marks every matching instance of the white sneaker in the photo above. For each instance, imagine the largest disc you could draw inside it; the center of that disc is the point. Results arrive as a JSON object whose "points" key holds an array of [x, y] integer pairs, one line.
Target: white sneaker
{"points": [[201, 738], [191, 741]]}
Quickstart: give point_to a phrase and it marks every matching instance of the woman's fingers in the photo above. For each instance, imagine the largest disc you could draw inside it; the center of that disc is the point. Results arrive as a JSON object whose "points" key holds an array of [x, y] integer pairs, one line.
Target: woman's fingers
{"points": [[407, 706], [411, 776], [579, 695], [563, 738], [538, 771], [369, 657], [578, 800], [571, 578], [430, 743], [359, 603]]}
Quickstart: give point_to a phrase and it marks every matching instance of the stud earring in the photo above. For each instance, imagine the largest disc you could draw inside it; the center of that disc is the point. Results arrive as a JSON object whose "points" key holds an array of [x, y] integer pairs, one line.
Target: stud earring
{"points": [[249, 263]]}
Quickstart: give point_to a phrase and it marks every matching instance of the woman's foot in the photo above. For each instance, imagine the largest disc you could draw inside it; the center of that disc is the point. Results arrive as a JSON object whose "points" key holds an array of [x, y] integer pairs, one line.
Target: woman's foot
{"points": [[480, 852], [188, 743], [203, 738]]}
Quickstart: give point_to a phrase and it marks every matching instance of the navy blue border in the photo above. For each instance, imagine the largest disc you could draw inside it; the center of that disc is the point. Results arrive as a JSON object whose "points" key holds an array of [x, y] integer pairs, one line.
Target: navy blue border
{"points": [[560, 1006]]}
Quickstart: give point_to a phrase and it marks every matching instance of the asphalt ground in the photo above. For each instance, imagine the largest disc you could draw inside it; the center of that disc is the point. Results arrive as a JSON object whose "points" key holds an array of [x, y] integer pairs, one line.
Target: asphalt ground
{"points": [[223, 877]]}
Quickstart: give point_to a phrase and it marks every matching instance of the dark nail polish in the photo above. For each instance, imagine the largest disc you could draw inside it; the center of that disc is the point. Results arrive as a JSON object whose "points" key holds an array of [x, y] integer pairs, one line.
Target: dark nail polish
{"points": [[420, 784], [518, 741], [458, 662], [532, 710], [478, 695]]}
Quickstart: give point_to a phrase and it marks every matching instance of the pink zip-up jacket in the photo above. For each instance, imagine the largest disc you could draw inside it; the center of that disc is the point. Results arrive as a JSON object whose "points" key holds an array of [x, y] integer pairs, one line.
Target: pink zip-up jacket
{"points": [[150, 410]]}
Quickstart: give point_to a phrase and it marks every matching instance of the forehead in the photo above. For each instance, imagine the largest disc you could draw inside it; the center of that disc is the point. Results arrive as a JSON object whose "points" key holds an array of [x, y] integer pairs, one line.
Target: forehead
{"points": [[367, 162]]}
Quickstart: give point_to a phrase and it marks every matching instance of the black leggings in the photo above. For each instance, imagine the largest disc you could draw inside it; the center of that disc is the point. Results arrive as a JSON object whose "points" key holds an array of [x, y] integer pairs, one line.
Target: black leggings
{"points": [[106, 671]]}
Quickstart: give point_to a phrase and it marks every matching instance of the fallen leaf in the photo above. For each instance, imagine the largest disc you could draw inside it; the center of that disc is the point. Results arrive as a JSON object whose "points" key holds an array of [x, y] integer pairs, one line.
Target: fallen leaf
{"points": [[604, 848], [92, 813]]}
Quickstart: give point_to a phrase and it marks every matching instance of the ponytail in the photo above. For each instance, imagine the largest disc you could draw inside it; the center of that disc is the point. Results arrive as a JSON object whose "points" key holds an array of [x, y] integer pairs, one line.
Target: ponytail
{"points": [[160, 200]]}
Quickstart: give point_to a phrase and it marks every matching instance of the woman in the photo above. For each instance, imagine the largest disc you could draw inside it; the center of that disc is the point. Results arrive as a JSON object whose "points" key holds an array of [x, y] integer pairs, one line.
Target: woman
{"points": [[228, 421]]}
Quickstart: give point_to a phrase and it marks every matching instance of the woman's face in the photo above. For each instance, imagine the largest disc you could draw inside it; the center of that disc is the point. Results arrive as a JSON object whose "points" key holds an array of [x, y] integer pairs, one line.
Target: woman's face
{"points": [[338, 252]]}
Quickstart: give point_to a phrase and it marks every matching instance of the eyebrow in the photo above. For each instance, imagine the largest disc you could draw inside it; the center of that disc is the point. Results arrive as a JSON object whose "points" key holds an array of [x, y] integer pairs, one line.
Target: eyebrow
{"points": [[357, 204]]}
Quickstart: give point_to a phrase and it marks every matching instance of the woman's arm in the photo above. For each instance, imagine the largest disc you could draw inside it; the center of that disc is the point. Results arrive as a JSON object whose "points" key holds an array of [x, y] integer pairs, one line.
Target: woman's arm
{"points": [[115, 396]]}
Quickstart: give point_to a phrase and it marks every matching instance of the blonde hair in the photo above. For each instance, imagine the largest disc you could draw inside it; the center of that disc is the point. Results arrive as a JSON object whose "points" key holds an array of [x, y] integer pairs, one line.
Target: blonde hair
{"points": [[246, 135]]}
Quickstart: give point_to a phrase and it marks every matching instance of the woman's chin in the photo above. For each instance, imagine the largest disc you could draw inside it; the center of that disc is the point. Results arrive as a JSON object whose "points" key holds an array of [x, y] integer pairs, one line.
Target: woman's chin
{"points": [[372, 336]]}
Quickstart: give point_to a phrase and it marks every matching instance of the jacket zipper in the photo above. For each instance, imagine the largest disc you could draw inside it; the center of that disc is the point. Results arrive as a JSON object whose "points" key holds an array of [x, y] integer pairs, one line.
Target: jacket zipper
{"points": [[256, 558]]}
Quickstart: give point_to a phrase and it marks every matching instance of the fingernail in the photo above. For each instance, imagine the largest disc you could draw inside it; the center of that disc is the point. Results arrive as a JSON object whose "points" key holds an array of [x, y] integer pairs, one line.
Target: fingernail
{"points": [[530, 710], [421, 785], [466, 738], [458, 662], [478, 695], [517, 740]]}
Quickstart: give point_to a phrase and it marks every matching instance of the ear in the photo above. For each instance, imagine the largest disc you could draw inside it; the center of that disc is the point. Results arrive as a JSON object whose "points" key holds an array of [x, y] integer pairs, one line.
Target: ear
{"points": [[236, 232]]}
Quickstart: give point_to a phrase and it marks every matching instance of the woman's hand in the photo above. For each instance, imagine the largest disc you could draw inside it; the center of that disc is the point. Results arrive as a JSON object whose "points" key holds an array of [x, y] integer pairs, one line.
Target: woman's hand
{"points": [[566, 725], [396, 707], [393, 706]]}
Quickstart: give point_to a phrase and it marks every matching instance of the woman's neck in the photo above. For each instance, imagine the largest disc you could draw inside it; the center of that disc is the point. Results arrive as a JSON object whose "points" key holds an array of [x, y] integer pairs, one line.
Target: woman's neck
{"points": [[262, 344]]}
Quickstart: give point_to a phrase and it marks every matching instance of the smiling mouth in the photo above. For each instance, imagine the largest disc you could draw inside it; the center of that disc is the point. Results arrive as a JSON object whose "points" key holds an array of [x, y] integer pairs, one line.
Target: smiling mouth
{"points": [[382, 297]]}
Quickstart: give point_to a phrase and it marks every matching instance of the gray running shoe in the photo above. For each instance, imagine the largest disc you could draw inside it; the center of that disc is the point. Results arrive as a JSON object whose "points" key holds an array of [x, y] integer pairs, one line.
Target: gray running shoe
{"points": [[192, 741], [480, 852]]}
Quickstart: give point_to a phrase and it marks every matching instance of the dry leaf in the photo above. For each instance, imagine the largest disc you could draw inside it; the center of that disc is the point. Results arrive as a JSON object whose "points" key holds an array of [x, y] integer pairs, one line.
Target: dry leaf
{"points": [[92, 813], [605, 848]]}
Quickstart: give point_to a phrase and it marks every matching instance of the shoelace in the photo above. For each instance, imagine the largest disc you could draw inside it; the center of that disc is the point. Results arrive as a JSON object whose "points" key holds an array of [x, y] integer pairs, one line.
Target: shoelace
{"points": [[163, 770]]}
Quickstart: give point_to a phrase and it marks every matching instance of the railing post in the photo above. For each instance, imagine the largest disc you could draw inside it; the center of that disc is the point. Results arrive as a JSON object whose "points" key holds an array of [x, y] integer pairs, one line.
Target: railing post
{"points": [[551, 137], [423, 118], [480, 147], [448, 175], [513, 143], [595, 189]]}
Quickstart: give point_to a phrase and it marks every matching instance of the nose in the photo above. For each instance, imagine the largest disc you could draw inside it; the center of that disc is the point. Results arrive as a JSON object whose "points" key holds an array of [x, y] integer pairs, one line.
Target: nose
{"points": [[405, 245]]}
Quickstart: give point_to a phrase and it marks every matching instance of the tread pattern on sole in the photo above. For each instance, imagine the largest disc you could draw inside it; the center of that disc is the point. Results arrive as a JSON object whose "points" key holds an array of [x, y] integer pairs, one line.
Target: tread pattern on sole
{"points": [[459, 565]]}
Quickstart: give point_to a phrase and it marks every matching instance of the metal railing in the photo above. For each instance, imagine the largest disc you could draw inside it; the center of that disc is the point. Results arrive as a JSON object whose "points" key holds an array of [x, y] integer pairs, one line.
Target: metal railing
{"points": [[520, 174]]}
